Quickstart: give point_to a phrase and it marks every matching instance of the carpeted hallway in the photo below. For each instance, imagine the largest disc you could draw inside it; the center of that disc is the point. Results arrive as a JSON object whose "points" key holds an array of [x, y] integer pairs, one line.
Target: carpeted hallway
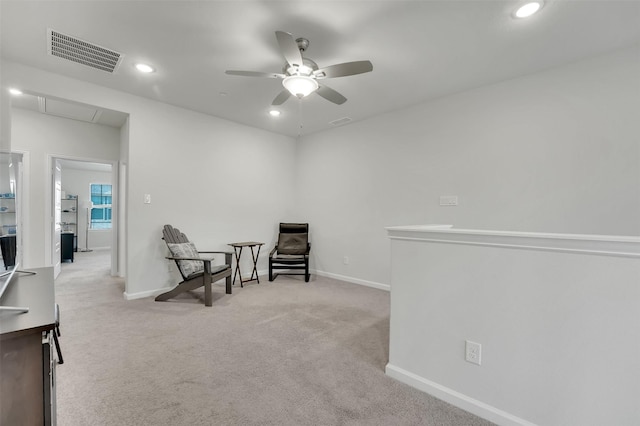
{"points": [[279, 353]]}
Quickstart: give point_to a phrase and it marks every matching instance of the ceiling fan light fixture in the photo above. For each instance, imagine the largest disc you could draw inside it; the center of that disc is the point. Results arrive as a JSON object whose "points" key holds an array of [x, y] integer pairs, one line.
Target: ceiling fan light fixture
{"points": [[300, 85]]}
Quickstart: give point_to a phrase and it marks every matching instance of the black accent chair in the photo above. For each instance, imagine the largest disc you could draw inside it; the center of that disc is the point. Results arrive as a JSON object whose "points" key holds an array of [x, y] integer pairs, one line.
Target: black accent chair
{"points": [[292, 250], [195, 270]]}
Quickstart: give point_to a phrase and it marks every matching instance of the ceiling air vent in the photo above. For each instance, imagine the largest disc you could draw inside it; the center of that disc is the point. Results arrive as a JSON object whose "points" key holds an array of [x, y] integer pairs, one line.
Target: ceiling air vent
{"points": [[85, 53], [340, 121]]}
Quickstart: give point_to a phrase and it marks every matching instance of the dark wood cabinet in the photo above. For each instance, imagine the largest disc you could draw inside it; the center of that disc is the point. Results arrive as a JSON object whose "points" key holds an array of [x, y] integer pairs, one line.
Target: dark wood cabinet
{"points": [[27, 366], [8, 247], [66, 245]]}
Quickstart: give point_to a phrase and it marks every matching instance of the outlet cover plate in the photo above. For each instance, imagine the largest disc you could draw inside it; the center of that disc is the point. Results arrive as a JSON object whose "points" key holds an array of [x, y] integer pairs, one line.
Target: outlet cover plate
{"points": [[448, 200], [473, 352]]}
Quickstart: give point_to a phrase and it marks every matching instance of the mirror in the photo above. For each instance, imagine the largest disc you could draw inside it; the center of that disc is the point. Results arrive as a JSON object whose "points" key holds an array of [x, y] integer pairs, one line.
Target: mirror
{"points": [[10, 208]]}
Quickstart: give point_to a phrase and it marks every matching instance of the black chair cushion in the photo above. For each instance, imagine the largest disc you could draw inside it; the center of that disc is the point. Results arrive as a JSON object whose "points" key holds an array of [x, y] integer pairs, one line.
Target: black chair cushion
{"points": [[292, 243]]}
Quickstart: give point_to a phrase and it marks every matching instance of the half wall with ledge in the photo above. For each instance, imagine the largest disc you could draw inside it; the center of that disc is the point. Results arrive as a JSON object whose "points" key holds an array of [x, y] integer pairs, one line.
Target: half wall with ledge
{"points": [[557, 317]]}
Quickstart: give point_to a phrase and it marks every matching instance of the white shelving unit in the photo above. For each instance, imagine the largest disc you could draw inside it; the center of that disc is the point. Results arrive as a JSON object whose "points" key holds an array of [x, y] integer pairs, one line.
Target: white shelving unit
{"points": [[8, 215], [69, 221]]}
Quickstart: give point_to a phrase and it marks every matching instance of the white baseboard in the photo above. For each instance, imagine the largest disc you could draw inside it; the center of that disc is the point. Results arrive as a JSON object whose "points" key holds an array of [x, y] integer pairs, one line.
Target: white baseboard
{"points": [[143, 294], [149, 293], [352, 280], [94, 248], [455, 398], [262, 274]]}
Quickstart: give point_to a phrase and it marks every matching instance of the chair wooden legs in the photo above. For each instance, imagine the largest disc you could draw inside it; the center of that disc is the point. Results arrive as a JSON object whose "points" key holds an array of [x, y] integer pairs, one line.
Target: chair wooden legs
{"points": [[270, 270], [206, 280], [208, 295], [290, 266]]}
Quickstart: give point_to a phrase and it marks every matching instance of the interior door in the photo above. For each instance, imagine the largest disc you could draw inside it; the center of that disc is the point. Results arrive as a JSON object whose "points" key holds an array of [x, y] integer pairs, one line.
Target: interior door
{"points": [[57, 217]]}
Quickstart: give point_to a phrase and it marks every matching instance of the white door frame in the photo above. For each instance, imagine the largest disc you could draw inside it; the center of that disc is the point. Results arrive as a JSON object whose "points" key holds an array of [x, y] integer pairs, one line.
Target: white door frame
{"points": [[56, 220], [49, 213]]}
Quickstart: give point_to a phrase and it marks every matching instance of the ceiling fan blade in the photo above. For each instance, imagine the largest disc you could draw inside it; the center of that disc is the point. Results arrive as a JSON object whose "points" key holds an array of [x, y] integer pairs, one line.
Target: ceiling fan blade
{"points": [[289, 48], [344, 69], [281, 98], [255, 74], [331, 95]]}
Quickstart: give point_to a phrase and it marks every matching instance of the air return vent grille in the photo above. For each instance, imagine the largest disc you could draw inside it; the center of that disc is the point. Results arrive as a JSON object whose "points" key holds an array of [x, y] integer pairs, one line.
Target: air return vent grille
{"points": [[85, 53], [340, 121]]}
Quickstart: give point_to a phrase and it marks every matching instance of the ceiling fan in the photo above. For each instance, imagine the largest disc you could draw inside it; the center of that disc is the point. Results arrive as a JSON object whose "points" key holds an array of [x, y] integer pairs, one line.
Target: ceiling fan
{"points": [[300, 76]]}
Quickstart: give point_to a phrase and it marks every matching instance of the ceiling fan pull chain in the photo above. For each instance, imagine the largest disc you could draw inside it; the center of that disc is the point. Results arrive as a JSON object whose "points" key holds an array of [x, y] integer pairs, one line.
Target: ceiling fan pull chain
{"points": [[300, 116]]}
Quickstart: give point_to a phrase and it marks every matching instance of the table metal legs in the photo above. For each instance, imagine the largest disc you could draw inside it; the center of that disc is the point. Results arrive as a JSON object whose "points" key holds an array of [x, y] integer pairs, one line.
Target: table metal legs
{"points": [[254, 258]]}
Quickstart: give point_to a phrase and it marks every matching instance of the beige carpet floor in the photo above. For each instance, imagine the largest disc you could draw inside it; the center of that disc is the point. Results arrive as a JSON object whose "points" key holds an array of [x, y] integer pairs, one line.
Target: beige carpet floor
{"points": [[279, 353]]}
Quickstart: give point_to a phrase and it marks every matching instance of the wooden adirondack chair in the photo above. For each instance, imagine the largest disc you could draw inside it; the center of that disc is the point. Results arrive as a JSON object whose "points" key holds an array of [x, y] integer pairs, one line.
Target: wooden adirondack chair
{"points": [[196, 271]]}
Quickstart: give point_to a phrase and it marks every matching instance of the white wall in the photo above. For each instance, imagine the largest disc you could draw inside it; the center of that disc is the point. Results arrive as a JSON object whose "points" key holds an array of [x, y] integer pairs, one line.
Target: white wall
{"points": [[556, 151], [5, 118], [556, 315], [217, 181], [78, 182], [42, 135]]}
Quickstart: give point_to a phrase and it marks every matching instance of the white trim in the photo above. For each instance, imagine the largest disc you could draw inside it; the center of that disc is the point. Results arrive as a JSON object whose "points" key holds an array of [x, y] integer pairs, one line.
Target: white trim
{"points": [[246, 276], [99, 248], [457, 399], [264, 275], [155, 292], [143, 294], [115, 220], [600, 245], [373, 284]]}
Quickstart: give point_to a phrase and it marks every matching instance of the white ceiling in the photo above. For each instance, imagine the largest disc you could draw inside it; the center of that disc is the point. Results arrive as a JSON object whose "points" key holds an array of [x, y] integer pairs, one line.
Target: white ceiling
{"points": [[71, 110], [85, 165], [420, 50]]}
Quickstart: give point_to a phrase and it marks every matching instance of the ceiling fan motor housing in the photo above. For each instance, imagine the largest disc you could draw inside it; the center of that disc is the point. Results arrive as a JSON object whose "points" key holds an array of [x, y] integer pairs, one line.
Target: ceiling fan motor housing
{"points": [[300, 75], [303, 44], [307, 68]]}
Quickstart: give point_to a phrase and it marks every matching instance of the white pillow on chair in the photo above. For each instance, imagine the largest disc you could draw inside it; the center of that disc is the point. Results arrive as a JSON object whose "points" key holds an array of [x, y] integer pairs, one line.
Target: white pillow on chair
{"points": [[187, 267]]}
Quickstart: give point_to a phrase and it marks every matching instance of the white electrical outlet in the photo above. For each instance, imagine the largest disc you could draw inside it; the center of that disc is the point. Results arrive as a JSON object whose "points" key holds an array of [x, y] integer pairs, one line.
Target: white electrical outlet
{"points": [[448, 200], [147, 198], [345, 260], [473, 352]]}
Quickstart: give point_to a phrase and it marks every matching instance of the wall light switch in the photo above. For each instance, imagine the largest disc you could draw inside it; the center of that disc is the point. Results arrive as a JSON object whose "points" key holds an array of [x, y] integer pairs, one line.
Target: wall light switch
{"points": [[147, 198], [448, 200]]}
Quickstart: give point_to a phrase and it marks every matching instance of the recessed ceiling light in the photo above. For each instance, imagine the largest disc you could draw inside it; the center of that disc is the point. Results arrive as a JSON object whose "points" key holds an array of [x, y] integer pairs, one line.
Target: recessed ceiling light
{"points": [[144, 68], [15, 91], [274, 113], [528, 9]]}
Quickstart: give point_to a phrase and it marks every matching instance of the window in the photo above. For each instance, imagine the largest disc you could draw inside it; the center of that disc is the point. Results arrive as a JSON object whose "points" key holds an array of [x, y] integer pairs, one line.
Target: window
{"points": [[100, 206]]}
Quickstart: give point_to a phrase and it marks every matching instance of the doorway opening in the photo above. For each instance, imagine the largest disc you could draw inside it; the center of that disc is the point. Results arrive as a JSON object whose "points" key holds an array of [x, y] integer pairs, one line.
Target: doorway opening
{"points": [[85, 212]]}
